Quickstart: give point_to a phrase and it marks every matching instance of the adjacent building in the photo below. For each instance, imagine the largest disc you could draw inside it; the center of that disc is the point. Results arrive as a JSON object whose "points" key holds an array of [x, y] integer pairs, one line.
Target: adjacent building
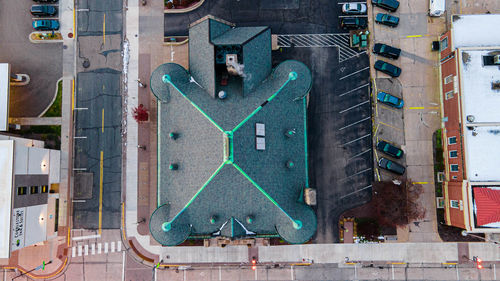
{"points": [[470, 95], [232, 140], [29, 184]]}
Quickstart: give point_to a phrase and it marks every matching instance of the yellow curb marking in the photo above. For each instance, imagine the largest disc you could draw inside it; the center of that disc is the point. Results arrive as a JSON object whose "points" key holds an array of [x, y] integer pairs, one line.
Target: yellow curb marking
{"points": [[413, 36], [100, 191], [398, 262], [104, 29], [417, 107], [422, 107], [420, 182], [73, 95]]}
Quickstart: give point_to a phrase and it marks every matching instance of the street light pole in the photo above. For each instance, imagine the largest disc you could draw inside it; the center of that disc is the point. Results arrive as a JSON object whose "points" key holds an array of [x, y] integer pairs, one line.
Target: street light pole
{"points": [[42, 266], [465, 233]]}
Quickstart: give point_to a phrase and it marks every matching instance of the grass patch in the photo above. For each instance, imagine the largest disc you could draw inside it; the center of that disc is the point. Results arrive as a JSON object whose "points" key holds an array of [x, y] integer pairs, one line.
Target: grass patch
{"points": [[55, 108]]}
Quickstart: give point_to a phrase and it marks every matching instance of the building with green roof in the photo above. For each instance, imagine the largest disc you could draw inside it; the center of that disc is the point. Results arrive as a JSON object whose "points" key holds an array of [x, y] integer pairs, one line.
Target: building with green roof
{"points": [[232, 140]]}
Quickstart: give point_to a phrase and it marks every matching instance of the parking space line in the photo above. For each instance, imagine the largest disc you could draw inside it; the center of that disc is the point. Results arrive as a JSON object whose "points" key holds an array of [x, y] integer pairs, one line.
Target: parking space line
{"points": [[357, 122], [81, 137], [359, 154], [360, 172], [353, 16], [356, 191], [357, 105], [354, 2], [388, 108], [385, 124], [376, 130], [354, 140], [355, 89], [341, 78], [387, 141]]}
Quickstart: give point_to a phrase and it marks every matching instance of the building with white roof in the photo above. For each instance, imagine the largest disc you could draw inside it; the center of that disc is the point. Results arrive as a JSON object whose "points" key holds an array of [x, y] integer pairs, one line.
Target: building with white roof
{"points": [[470, 83], [29, 180]]}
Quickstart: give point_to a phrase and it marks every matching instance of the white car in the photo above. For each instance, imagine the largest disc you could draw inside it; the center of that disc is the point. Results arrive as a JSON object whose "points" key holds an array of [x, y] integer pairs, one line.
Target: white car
{"points": [[354, 8]]}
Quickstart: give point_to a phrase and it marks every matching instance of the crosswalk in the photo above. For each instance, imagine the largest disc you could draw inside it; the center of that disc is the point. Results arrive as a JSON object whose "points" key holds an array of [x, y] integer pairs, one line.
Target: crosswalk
{"points": [[96, 248], [326, 40]]}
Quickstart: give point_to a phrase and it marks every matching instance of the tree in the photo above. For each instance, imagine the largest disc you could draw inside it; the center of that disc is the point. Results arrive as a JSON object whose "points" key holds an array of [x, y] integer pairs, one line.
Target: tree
{"points": [[140, 113], [397, 205]]}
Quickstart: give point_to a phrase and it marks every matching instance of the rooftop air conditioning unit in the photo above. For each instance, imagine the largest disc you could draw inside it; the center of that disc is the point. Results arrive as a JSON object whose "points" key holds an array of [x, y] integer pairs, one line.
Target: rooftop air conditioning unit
{"points": [[470, 118]]}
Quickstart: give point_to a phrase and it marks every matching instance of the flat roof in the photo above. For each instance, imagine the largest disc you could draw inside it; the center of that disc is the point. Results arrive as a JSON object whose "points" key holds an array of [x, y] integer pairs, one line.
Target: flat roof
{"points": [[475, 30], [6, 178], [4, 96], [481, 103]]}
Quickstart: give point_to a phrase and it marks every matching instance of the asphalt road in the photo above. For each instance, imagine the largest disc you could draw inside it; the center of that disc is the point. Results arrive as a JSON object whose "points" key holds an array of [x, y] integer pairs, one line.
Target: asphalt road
{"points": [[98, 115], [42, 62], [283, 16]]}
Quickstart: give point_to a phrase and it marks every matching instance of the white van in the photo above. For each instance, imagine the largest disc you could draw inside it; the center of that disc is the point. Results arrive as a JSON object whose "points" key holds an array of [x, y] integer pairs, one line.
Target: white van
{"points": [[436, 8]]}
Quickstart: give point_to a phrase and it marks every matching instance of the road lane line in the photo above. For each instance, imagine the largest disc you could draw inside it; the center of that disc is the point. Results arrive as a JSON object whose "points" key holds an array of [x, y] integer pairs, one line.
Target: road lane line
{"points": [[355, 89], [354, 72], [413, 36], [100, 192], [72, 95], [102, 120]]}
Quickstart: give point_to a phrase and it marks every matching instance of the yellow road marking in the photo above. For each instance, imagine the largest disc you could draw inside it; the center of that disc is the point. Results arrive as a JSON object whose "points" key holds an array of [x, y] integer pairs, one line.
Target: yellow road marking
{"points": [[420, 182], [104, 30], [417, 107], [390, 126], [413, 36], [388, 108], [398, 262], [451, 263], [69, 234], [100, 192], [422, 107], [102, 127], [376, 130], [72, 95], [74, 22], [351, 263]]}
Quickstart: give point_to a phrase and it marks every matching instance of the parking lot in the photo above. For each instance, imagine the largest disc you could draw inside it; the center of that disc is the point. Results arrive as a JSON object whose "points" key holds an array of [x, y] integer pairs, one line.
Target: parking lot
{"points": [[42, 62]]}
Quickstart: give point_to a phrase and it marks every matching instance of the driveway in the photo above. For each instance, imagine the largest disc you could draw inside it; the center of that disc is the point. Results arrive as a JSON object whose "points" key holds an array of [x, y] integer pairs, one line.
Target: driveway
{"points": [[42, 62]]}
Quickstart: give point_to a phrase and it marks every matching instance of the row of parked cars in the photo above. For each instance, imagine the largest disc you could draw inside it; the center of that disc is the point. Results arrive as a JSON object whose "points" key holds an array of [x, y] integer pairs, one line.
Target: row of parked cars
{"points": [[46, 11], [394, 71]]}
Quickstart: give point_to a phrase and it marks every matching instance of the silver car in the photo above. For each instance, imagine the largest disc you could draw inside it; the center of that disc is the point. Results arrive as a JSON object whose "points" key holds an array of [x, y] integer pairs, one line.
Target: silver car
{"points": [[354, 8]]}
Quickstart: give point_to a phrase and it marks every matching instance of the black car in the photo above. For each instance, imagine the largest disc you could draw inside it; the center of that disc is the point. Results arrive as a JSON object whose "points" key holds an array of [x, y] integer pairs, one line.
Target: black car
{"points": [[387, 68], [386, 51], [390, 5], [391, 166], [387, 19], [353, 23], [43, 10], [390, 149], [46, 1]]}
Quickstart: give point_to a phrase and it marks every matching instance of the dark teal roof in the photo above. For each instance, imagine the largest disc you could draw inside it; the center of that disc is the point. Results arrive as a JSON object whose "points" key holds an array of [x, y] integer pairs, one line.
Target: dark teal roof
{"points": [[221, 177], [238, 35]]}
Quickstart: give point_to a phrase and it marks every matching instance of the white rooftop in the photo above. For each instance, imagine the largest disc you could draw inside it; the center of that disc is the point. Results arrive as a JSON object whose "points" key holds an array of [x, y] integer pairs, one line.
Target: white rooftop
{"points": [[6, 177], [4, 96], [475, 30], [483, 103]]}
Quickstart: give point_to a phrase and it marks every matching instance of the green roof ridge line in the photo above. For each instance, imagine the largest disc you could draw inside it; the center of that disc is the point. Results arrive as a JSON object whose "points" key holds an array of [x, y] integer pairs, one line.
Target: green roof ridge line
{"points": [[291, 76], [232, 227], [167, 79], [305, 144], [262, 191], [158, 143], [197, 193]]}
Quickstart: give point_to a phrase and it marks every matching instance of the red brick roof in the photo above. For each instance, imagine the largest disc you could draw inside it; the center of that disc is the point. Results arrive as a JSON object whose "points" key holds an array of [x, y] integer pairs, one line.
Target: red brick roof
{"points": [[487, 204]]}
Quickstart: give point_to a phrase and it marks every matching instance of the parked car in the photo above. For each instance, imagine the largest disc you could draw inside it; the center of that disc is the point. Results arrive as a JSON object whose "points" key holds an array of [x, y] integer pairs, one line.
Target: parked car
{"points": [[354, 8], [387, 19], [391, 166], [43, 10], [390, 149], [390, 100], [387, 68], [353, 23], [46, 24], [390, 5], [386, 51], [46, 1]]}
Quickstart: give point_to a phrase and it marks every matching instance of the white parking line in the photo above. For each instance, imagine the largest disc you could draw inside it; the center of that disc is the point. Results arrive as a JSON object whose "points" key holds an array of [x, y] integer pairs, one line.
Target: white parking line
{"points": [[73, 252], [349, 142], [82, 137], [353, 16], [354, 72], [360, 172], [357, 122], [355, 89], [359, 154], [356, 191], [354, 106]]}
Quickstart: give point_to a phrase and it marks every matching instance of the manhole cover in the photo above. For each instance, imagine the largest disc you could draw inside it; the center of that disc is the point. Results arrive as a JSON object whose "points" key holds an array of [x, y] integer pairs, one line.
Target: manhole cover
{"points": [[86, 63]]}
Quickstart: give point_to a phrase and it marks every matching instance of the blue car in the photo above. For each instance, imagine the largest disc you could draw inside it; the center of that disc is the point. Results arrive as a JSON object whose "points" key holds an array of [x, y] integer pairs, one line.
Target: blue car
{"points": [[46, 25], [390, 100]]}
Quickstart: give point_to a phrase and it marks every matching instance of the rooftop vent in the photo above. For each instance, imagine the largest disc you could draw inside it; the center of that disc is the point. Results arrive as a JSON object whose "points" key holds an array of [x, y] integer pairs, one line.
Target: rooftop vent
{"points": [[290, 133], [213, 219], [173, 135], [290, 164], [173, 166], [222, 95], [474, 133], [249, 219], [470, 118], [495, 85]]}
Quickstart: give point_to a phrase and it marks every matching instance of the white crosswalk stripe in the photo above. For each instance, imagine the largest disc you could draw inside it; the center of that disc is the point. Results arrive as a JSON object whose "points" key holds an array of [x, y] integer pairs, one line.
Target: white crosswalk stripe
{"points": [[106, 247], [99, 247], [116, 246], [113, 247], [79, 250], [86, 250], [73, 252], [92, 249], [119, 246], [327, 40]]}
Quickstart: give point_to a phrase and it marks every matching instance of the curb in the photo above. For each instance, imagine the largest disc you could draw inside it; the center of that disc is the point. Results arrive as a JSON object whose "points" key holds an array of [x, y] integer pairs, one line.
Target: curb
{"points": [[175, 43], [43, 41], [186, 10], [53, 99]]}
